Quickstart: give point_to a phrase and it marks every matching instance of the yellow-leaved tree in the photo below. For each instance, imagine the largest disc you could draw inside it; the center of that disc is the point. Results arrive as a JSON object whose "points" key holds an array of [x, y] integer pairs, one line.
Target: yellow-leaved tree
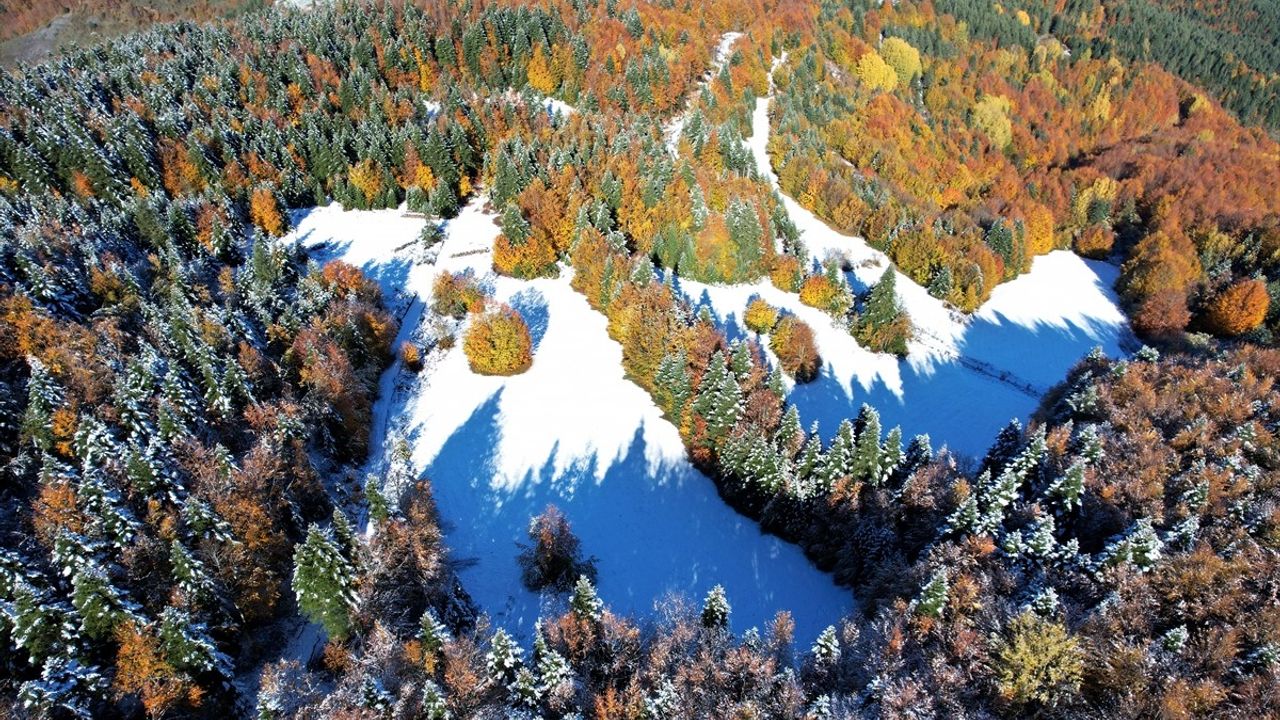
{"points": [[875, 73], [903, 58], [498, 343]]}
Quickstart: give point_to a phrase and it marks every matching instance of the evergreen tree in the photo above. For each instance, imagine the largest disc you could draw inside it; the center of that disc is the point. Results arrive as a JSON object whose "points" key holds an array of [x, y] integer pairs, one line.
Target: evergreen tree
{"points": [[585, 603], [188, 646], [99, 604], [866, 464], [840, 457], [432, 633], [553, 669], [1066, 490], [826, 650], [503, 661], [672, 384], [324, 583], [716, 609], [933, 597], [719, 399], [891, 455]]}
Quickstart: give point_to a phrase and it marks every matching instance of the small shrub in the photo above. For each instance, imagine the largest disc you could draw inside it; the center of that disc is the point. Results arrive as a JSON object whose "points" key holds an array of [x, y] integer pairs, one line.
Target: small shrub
{"points": [[498, 343], [411, 356], [553, 560], [792, 341], [760, 316], [456, 294]]}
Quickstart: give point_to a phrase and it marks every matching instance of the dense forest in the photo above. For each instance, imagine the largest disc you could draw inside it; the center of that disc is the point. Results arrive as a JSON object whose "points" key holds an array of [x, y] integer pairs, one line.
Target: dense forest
{"points": [[185, 398]]}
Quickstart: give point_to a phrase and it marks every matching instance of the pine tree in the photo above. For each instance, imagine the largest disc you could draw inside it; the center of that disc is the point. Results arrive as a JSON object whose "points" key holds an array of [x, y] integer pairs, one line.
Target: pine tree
{"points": [[188, 646], [672, 384], [324, 583], [716, 609], [99, 604], [503, 660], [826, 650], [585, 604], [933, 597], [866, 451]]}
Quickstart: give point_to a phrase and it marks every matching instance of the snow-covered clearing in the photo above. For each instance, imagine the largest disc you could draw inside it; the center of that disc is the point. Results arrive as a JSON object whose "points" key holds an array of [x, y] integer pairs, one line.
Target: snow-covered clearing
{"points": [[572, 431], [964, 377], [675, 128]]}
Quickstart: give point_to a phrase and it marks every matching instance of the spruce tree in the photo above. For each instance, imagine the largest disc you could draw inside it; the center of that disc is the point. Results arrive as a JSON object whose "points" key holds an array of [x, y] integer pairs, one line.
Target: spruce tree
{"points": [[716, 609], [933, 597], [324, 583], [826, 650], [866, 450], [585, 603], [503, 661]]}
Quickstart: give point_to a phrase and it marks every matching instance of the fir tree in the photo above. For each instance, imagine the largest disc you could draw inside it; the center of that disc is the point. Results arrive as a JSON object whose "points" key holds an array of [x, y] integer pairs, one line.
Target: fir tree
{"points": [[503, 660], [672, 384], [716, 609], [324, 583], [188, 646], [933, 597], [866, 451], [719, 399], [826, 650], [1066, 490], [99, 604], [584, 603]]}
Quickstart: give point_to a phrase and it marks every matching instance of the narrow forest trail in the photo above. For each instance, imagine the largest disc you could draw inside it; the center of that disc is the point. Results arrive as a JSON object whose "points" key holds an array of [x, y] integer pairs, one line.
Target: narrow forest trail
{"points": [[675, 128]]}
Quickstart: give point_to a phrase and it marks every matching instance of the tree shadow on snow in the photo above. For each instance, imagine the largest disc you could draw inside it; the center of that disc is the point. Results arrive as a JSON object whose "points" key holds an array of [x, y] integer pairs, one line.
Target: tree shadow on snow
{"points": [[654, 530], [532, 306]]}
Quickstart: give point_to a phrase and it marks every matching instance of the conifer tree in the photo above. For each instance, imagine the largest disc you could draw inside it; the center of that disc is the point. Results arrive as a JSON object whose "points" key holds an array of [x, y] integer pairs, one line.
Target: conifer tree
{"points": [[585, 603], [933, 597], [503, 661], [866, 451], [716, 609], [324, 583], [826, 650]]}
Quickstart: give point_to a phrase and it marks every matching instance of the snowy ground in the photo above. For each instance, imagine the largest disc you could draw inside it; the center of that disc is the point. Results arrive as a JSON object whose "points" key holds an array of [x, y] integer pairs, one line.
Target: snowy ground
{"points": [[572, 431], [964, 377]]}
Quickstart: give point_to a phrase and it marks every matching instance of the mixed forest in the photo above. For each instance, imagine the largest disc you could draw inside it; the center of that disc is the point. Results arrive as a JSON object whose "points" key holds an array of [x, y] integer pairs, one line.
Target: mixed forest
{"points": [[186, 399]]}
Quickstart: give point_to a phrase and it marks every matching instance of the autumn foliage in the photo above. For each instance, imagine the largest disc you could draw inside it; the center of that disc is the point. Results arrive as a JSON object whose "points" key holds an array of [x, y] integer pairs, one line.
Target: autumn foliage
{"points": [[498, 343], [1239, 308], [792, 341], [760, 316]]}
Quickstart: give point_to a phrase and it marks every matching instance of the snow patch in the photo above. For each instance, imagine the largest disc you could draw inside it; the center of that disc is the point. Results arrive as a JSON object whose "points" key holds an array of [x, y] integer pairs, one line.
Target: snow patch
{"points": [[964, 377], [572, 431]]}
